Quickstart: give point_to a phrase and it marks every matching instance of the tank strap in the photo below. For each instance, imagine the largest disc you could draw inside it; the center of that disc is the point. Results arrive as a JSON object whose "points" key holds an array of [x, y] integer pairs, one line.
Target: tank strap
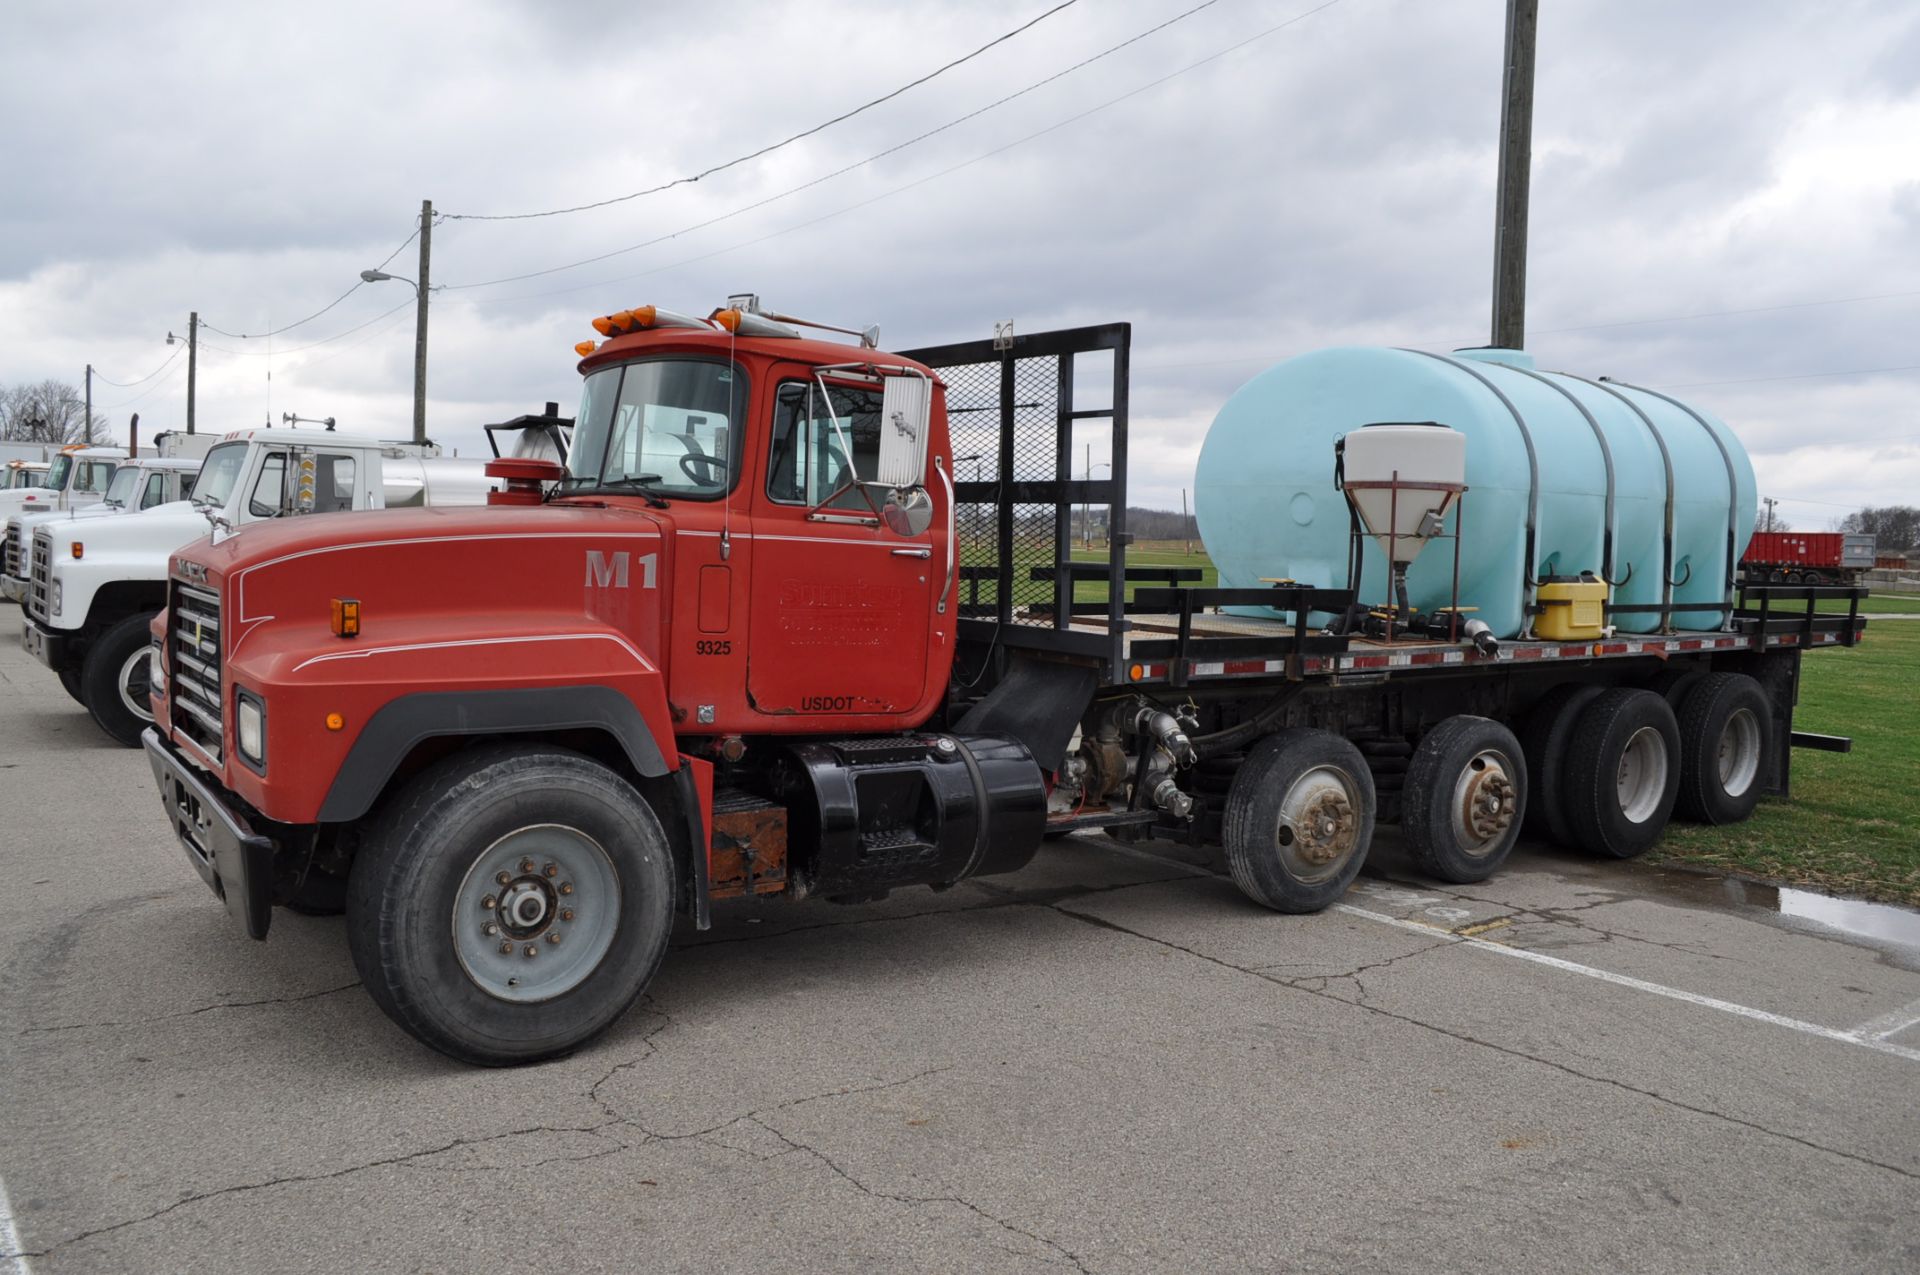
{"points": [[1527, 583], [1666, 463], [1606, 456], [1733, 493]]}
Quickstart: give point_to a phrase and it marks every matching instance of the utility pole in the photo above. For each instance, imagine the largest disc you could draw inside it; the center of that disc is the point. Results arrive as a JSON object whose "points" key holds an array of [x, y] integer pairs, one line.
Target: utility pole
{"points": [[1185, 534], [193, 352], [89, 408], [420, 326], [1516, 168], [1770, 502]]}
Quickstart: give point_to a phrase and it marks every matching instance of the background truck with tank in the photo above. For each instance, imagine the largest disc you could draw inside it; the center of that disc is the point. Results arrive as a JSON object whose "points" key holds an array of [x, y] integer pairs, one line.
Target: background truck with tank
{"points": [[93, 586], [762, 640], [138, 484]]}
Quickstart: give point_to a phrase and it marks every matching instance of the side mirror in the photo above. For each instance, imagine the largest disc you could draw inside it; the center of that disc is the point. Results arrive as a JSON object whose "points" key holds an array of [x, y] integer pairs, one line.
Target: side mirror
{"points": [[906, 405], [908, 511]]}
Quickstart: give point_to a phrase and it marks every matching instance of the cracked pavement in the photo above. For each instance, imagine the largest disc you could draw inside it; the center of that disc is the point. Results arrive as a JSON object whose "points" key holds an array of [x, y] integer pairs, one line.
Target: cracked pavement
{"points": [[1108, 1062]]}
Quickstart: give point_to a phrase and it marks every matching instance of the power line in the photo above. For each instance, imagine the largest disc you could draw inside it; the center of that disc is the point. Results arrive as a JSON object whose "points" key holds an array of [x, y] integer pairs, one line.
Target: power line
{"points": [[128, 402], [273, 332], [768, 150], [935, 176], [1723, 314], [263, 354], [840, 172], [127, 385]]}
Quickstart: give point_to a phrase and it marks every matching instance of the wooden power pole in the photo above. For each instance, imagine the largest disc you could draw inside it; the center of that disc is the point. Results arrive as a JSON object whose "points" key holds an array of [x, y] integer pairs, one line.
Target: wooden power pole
{"points": [[1516, 168], [88, 423], [420, 326]]}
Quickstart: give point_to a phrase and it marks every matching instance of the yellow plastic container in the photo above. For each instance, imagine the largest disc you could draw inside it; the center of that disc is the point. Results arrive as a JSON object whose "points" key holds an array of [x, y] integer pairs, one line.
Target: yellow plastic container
{"points": [[1575, 609]]}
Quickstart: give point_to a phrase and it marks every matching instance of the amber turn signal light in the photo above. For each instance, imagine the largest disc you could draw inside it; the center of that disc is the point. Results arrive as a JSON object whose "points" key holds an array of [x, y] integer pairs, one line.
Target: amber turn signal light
{"points": [[585, 348], [346, 617], [79, 550], [335, 721]]}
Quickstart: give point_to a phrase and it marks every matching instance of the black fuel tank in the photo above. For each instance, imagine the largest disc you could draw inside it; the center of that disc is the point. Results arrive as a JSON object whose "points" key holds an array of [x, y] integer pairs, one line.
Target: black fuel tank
{"points": [[875, 812]]}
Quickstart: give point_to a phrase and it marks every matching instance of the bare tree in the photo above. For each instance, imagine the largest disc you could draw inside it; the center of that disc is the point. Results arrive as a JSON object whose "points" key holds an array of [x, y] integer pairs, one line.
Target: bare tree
{"points": [[1897, 527], [1779, 523], [49, 411]]}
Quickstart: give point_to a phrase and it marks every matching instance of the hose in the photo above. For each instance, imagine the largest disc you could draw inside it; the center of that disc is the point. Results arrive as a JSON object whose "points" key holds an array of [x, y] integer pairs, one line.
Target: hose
{"points": [[1254, 727]]}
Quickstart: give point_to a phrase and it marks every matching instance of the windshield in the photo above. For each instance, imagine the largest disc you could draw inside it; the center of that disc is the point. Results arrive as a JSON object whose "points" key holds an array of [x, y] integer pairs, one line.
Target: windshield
{"points": [[57, 475], [219, 473], [668, 422], [28, 478], [120, 490]]}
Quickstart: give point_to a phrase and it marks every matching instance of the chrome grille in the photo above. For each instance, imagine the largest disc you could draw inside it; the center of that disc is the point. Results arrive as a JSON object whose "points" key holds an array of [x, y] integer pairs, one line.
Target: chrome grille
{"points": [[42, 563], [193, 659], [10, 551]]}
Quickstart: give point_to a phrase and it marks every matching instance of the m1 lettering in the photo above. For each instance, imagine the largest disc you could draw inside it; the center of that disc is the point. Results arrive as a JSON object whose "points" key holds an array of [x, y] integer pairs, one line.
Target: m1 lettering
{"points": [[613, 573]]}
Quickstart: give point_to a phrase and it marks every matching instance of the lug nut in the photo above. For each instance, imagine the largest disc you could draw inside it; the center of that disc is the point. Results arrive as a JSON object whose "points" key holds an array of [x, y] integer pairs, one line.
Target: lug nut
{"points": [[552, 869], [506, 949], [566, 887], [526, 865], [503, 877], [489, 903], [553, 936], [566, 914], [489, 929], [532, 951]]}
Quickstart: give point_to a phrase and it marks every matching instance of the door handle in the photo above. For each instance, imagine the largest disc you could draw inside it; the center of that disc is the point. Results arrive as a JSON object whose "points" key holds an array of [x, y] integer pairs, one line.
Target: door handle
{"points": [[913, 553]]}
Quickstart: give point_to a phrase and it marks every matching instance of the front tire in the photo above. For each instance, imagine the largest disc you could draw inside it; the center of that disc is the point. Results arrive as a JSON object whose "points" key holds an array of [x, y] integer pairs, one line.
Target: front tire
{"points": [[70, 682], [1299, 820], [511, 903], [113, 680], [1465, 794]]}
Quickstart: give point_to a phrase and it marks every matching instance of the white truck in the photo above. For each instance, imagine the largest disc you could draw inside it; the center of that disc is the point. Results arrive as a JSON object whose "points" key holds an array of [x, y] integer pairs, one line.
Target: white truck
{"points": [[23, 473], [78, 476], [94, 586], [142, 483]]}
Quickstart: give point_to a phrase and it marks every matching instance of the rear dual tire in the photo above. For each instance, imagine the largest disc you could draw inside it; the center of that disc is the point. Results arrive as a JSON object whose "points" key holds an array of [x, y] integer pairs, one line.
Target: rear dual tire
{"points": [[1622, 773], [501, 972], [1726, 741]]}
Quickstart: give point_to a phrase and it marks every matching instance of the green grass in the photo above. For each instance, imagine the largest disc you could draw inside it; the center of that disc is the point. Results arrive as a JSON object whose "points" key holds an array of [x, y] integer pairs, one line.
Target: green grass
{"points": [[1876, 604], [1853, 824]]}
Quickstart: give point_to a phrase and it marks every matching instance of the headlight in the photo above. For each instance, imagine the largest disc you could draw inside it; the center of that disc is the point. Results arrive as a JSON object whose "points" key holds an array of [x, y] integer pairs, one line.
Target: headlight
{"points": [[53, 598], [250, 720], [156, 679]]}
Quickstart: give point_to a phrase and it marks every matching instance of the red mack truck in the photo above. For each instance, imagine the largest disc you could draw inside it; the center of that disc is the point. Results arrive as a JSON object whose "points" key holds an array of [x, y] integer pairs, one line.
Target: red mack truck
{"points": [[759, 638]]}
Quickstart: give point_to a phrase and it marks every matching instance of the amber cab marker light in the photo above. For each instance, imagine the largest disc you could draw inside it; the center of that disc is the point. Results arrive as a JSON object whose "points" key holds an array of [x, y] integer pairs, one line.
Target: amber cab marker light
{"points": [[79, 550], [585, 348], [335, 721], [346, 617]]}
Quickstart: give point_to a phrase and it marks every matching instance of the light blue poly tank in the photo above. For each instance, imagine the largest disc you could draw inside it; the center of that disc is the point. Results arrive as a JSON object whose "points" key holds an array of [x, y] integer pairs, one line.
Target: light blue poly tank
{"points": [[1545, 450]]}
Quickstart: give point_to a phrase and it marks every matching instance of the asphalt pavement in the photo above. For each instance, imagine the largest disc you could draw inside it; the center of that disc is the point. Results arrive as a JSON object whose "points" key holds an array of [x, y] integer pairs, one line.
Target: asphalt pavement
{"points": [[1109, 1062]]}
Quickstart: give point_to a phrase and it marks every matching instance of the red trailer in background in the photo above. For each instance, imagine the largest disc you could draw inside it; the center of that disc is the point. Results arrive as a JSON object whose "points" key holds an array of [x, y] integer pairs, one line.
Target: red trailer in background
{"points": [[1807, 557]]}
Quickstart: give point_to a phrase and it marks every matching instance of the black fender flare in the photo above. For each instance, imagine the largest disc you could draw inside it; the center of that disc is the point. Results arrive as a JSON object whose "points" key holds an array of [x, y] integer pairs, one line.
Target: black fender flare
{"points": [[402, 724]]}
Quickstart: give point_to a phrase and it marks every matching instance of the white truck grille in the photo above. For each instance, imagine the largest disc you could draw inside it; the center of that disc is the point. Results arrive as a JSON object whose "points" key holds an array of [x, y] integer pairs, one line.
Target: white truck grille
{"points": [[42, 563], [193, 657], [10, 552]]}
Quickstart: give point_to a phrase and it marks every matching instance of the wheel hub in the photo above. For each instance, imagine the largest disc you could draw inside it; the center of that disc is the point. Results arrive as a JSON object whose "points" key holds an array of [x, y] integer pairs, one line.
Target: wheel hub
{"points": [[524, 907], [1489, 803], [1325, 829], [536, 913]]}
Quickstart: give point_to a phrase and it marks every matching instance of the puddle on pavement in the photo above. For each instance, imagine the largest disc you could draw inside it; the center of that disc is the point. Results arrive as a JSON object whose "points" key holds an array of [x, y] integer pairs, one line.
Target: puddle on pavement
{"points": [[1883, 922]]}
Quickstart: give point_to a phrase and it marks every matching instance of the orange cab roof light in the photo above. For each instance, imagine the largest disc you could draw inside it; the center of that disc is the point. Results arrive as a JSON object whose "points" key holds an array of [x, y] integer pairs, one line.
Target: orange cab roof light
{"points": [[643, 317]]}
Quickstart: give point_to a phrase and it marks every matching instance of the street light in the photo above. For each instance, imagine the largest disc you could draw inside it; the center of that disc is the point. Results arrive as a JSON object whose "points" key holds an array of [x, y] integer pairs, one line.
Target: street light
{"points": [[419, 347]]}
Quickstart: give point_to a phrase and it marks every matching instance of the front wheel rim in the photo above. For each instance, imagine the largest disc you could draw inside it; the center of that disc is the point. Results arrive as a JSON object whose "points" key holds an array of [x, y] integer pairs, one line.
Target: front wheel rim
{"points": [[1739, 756], [134, 686], [1319, 827], [1485, 800], [536, 913], [1642, 778]]}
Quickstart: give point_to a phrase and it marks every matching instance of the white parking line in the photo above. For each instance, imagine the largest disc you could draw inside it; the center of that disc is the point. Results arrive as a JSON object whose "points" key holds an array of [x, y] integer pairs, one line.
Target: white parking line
{"points": [[12, 1261], [1890, 1024], [1860, 1036]]}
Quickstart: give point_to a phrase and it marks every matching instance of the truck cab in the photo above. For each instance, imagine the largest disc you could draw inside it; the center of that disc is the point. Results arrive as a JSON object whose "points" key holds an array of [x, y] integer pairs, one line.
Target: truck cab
{"points": [[143, 483], [20, 474], [93, 585], [79, 475]]}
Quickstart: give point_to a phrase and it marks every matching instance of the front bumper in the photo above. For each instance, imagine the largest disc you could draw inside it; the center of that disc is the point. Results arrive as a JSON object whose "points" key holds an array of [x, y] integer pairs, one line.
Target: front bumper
{"points": [[12, 588], [51, 647], [234, 861]]}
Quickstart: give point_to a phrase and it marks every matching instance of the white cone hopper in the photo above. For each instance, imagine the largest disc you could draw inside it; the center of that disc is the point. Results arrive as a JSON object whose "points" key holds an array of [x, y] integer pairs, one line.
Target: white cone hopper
{"points": [[1401, 480]]}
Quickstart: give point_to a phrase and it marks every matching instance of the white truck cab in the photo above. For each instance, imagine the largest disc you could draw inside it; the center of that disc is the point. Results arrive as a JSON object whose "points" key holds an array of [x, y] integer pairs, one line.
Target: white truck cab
{"points": [[143, 483], [23, 473], [94, 585], [77, 476]]}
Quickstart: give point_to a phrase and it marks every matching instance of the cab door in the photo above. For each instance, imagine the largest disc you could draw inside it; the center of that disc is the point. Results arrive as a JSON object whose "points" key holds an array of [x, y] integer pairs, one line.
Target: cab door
{"points": [[840, 618]]}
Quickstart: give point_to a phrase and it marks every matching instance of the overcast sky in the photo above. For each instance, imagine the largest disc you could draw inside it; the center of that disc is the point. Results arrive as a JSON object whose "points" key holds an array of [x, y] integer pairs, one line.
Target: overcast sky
{"points": [[1330, 182]]}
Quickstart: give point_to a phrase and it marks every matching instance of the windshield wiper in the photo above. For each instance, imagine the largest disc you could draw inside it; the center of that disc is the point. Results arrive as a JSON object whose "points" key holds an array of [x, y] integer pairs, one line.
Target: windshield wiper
{"points": [[641, 483]]}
